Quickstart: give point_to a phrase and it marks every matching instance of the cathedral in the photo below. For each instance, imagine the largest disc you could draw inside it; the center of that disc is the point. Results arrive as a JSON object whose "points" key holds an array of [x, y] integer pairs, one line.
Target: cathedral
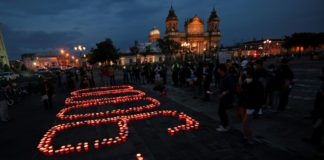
{"points": [[194, 39]]}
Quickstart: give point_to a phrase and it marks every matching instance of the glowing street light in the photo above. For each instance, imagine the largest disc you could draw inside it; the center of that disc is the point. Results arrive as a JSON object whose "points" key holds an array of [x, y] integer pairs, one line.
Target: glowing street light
{"points": [[267, 41], [80, 49], [62, 51], [267, 47]]}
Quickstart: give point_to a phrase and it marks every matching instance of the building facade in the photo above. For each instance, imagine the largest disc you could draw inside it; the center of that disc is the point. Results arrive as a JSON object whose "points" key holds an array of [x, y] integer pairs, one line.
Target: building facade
{"points": [[147, 53], [3, 53], [34, 62], [257, 48], [195, 38]]}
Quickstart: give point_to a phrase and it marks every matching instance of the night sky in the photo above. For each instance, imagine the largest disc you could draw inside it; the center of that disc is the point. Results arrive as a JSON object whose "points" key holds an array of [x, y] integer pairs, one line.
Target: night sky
{"points": [[48, 25]]}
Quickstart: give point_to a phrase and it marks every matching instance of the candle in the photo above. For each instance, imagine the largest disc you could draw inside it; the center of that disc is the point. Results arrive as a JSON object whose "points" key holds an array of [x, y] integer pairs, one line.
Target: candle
{"points": [[78, 148], [139, 156], [96, 145]]}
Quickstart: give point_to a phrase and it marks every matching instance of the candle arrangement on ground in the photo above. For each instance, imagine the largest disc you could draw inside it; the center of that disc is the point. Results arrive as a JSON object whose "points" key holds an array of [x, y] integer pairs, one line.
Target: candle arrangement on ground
{"points": [[119, 117]]}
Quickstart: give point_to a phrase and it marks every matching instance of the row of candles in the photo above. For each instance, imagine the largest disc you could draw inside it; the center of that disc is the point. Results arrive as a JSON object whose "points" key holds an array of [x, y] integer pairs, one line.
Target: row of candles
{"points": [[45, 145], [153, 103], [102, 101], [113, 117], [99, 89]]}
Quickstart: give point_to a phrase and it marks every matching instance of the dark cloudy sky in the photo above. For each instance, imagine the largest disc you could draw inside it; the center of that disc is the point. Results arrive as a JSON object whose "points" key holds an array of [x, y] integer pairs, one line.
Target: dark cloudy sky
{"points": [[41, 25]]}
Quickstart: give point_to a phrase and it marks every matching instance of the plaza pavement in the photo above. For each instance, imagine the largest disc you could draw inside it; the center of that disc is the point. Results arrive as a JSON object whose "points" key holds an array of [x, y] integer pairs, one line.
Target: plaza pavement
{"points": [[278, 134]]}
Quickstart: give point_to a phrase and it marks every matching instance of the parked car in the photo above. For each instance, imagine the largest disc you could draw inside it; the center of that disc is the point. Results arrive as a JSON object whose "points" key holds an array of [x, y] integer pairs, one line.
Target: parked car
{"points": [[9, 76], [317, 56], [46, 74]]}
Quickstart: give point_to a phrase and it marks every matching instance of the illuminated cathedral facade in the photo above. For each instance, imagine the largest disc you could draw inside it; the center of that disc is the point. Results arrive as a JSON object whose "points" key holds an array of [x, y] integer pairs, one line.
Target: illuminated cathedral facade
{"points": [[195, 39]]}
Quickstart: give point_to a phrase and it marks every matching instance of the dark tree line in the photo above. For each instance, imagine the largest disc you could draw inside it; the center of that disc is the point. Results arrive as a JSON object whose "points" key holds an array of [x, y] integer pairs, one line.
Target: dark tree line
{"points": [[168, 47], [105, 51], [305, 40]]}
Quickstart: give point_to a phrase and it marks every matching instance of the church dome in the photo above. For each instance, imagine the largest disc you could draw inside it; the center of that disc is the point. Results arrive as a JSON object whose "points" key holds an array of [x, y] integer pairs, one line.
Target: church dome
{"points": [[154, 35], [154, 31]]}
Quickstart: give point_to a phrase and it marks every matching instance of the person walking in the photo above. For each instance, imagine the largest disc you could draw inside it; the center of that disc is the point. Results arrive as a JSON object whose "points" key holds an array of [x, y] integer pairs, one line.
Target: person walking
{"points": [[226, 88]]}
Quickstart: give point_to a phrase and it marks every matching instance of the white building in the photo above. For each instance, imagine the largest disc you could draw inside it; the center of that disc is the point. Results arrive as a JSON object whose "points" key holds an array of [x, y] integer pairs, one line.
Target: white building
{"points": [[3, 53]]}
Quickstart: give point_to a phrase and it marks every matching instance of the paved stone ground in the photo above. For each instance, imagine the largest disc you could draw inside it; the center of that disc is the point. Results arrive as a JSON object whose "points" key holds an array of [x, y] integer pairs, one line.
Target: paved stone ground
{"points": [[279, 135], [282, 130]]}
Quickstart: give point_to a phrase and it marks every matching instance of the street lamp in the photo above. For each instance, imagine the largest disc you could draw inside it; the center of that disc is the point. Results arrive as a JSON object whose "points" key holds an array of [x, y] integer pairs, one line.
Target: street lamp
{"points": [[267, 44], [185, 46], [62, 51], [80, 49]]}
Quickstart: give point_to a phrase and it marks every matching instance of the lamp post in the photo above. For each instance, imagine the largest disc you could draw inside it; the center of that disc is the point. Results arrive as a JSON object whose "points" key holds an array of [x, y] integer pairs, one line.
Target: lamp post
{"points": [[80, 49], [185, 46], [61, 57], [267, 45]]}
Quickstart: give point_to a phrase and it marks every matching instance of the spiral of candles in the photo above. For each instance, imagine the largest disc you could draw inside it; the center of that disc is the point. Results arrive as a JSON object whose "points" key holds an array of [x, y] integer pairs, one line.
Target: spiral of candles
{"points": [[120, 117]]}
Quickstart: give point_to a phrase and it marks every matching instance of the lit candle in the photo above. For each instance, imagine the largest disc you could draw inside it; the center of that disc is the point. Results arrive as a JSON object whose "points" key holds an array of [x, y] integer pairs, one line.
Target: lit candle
{"points": [[78, 148], [96, 145]]}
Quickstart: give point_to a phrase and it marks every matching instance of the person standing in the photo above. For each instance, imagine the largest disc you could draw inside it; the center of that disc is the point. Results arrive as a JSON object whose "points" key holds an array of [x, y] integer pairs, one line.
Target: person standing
{"points": [[111, 74], [84, 83], [317, 115], [285, 77], [4, 116], [251, 100], [175, 74], [207, 76], [226, 88], [125, 75], [47, 92]]}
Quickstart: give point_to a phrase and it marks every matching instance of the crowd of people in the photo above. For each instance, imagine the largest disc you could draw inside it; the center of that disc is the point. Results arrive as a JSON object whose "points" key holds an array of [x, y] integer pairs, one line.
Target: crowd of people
{"points": [[10, 93], [250, 86]]}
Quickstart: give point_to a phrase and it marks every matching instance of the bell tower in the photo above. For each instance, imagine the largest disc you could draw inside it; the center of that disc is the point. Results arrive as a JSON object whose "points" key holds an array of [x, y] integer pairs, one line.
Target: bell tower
{"points": [[213, 22], [171, 22]]}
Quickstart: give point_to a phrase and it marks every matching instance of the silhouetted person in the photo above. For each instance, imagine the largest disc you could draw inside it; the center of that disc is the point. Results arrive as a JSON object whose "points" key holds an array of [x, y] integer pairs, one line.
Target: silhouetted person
{"points": [[207, 76], [47, 91], [175, 74], [285, 77], [226, 89], [251, 100], [4, 116]]}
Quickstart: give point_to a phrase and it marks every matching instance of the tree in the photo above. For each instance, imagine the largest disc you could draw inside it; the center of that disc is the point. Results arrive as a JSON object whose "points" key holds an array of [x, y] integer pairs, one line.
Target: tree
{"points": [[23, 67], [105, 51], [305, 40], [134, 49], [6, 68], [168, 47], [147, 50]]}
